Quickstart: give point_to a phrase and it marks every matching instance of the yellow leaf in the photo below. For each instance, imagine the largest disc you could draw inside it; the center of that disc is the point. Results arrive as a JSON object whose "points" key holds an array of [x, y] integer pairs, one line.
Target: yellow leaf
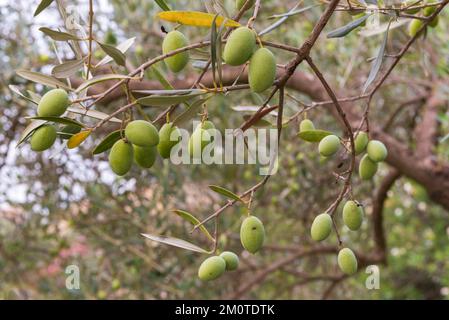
{"points": [[195, 18], [78, 138]]}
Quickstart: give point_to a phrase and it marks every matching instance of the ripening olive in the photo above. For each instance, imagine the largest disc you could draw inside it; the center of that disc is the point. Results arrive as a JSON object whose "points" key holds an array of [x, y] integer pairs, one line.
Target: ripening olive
{"points": [[239, 3], [306, 125], [169, 136], [329, 145], [121, 157], [352, 215], [172, 41], [262, 70], [142, 133], [239, 47], [321, 227], [376, 151], [367, 168], [360, 142], [145, 156], [211, 268], [347, 261], [252, 234], [428, 11], [200, 138], [231, 259], [414, 26], [43, 138], [53, 104]]}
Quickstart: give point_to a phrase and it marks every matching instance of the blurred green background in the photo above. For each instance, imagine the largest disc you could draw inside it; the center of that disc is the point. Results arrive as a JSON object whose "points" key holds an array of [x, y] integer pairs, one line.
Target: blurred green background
{"points": [[65, 207]]}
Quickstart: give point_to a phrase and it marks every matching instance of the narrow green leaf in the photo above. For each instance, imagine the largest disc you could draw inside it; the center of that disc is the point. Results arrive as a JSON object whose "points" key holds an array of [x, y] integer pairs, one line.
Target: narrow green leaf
{"points": [[175, 242], [68, 68], [260, 123], [284, 17], [42, 6], [191, 111], [293, 12], [114, 53], [213, 46], [161, 78], [123, 47], [166, 100], [190, 218], [58, 35], [93, 114], [446, 137], [42, 79], [162, 5], [107, 142], [17, 91], [59, 120], [225, 192], [29, 130], [342, 31], [375, 68], [313, 135], [101, 78]]}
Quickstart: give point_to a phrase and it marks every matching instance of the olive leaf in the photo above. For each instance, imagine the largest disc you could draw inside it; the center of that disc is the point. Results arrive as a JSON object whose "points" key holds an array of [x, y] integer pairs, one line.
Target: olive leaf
{"points": [[284, 17], [59, 120], [58, 35], [114, 53], [17, 91], [175, 242], [258, 123], [42, 6], [78, 138], [377, 62], [107, 142], [213, 47], [29, 130], [162, 5], [195, 18], [101, 78], [194, 221], [191, 111], [161, 78], [167, 100], [68, 68], [42, 79], [122, 47], [343, 31], [93, 114], [313, 135], [225, 192]]}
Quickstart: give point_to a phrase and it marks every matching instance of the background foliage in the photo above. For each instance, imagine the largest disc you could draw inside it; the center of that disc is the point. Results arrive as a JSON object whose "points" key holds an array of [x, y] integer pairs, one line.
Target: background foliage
{"points": [[65, 207]]}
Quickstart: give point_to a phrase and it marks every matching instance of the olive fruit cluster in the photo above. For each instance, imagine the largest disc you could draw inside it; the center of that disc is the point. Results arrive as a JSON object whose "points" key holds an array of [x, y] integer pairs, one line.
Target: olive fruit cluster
{"points": [[328, 146], [142, 144], [213, 267], [252, 236], [416, 24], [322, 228], [376, 152], [53, 104], [241, 47]]}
